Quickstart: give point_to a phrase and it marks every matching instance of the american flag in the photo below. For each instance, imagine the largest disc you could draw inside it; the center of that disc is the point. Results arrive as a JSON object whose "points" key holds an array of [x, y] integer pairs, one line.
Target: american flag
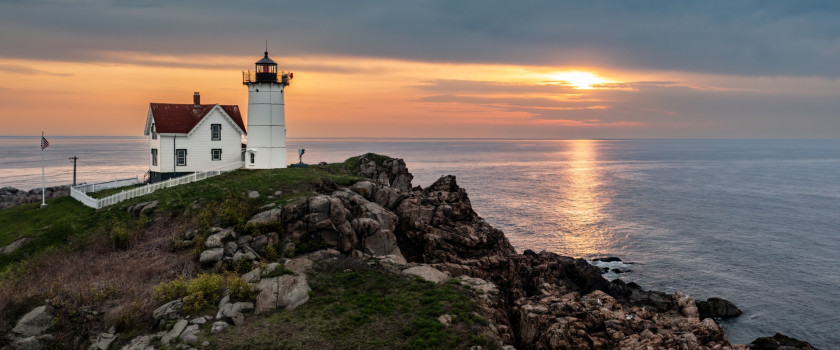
{"points": [[44, 142]]}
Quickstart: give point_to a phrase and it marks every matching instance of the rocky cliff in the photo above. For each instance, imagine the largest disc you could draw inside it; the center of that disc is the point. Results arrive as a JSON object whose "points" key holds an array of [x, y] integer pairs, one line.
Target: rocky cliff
{"points": [[545, 301]]}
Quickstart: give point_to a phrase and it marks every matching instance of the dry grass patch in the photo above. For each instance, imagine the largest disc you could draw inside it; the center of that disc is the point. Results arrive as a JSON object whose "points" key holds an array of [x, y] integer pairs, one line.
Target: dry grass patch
{"points": [[112, 286]]}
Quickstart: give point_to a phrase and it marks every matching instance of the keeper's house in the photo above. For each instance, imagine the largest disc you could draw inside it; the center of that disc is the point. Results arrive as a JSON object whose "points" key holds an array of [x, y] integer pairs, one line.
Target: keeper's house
{"points": [[187, 138]]}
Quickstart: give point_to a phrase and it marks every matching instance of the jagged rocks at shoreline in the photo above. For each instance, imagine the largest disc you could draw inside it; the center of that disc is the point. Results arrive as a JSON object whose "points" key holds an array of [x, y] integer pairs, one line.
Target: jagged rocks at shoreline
{"points": [[546, 301], [10, 196]]}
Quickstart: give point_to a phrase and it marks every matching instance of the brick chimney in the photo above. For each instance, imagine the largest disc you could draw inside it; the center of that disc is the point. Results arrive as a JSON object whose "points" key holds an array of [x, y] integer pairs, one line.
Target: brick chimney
{"points": [[196, 100]]}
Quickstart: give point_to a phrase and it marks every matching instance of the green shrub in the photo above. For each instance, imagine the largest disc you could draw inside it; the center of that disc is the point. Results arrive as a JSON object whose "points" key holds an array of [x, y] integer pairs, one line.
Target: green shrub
{"points": [[232, 210], [59, 232], [204, 290], [239, 289], [173, 289], [239, 266], [270, 254], [119, 236]]}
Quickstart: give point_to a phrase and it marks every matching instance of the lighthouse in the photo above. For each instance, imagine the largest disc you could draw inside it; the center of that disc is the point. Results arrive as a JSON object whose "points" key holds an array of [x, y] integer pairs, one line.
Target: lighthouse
{"points": [[266, 145]]}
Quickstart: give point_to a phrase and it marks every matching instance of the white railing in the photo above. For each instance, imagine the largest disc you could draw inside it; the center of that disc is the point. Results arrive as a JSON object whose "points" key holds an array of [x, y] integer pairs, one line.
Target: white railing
{"points": [[79, 192]]}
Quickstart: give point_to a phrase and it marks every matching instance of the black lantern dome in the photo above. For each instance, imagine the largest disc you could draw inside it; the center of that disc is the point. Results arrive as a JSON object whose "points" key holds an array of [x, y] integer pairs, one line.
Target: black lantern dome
{"points": [[266, 70]]}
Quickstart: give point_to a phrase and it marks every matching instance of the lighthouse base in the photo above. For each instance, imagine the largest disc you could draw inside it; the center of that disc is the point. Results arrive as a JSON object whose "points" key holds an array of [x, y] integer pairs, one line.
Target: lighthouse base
{"points": [[265, 158]]}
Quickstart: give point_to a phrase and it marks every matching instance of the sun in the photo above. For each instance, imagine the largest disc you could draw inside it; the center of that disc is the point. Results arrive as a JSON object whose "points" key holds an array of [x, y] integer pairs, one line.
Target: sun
{"points": [[578, 79]]}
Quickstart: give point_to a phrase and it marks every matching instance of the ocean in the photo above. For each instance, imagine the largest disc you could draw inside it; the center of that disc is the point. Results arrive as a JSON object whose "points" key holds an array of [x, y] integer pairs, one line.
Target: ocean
{"points": [[756, 222]]}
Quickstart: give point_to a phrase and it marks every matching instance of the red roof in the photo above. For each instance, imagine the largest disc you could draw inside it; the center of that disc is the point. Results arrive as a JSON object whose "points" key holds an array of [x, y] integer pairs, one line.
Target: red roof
{"points": [[181, 118]]}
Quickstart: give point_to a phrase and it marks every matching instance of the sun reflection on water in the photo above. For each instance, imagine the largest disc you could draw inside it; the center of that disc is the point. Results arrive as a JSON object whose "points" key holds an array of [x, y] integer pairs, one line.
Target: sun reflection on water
{"points": [[581, 202]]}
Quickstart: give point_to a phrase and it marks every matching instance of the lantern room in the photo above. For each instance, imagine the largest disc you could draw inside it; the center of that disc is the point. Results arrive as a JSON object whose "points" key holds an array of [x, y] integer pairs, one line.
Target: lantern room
{"points": [[266, 70]]}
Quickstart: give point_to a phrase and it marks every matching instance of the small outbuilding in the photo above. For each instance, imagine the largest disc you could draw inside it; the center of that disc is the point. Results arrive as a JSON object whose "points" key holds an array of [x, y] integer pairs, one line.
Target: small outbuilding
{"points": [[188, 138]]}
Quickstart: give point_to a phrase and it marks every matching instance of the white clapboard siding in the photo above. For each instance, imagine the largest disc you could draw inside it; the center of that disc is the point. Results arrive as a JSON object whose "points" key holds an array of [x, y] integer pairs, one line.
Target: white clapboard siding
{"points": [[199, 145]]}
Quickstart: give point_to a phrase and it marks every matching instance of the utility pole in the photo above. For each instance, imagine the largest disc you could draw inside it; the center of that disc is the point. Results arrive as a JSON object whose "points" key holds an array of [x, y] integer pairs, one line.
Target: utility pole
{"points": [[74, 159]]}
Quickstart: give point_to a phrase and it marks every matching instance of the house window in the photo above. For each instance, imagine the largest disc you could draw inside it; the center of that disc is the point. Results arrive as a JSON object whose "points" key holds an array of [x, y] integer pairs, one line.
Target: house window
{"points": [[154, 132], [181, 157], [215, 132], [252, 157], [216, 154], [154, 156]]}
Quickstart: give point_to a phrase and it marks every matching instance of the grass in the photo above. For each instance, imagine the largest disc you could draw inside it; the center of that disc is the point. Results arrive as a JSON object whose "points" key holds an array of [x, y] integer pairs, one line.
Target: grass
{"points": [[105, 193], [356, 306], [65, 218], [293, 182], [53, 226], [108, 257]]}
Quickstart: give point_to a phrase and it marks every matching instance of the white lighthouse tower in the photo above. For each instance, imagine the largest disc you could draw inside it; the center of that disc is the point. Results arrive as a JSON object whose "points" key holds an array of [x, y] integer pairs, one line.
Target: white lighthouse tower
{"points": [[266, 147]]}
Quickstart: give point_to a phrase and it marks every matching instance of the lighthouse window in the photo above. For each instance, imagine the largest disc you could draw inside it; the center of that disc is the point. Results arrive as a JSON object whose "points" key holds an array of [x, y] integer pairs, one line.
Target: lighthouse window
{"points": [[216, 132], [154, 156], [216, 154], [181, 157], [252, 158]]}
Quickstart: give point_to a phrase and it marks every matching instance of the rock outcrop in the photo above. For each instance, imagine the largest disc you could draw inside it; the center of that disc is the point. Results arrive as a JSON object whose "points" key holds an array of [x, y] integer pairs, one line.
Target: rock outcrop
{"points": [[10, 196], [717, 308], [780, 342], [535, 300]]}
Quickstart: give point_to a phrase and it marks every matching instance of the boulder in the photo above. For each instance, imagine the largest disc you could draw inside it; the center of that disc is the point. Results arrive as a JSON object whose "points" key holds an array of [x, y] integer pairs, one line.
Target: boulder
{"points": [[323, 254], [14, 246], [235, 312], [298, 265], [252, 276], [140, 343], [219, 326], [479, 285], [168, 311], [686, 304], [230, 248], [266, 217], [190, 334], [781, 342], [34, 343], [717, 308], [427, 273], [175, 332], [253, 194], [211, 256], [34, 323], [103, 341], [259, 243], [381, 242], [217, 239], [149, 207], [388, 259], [608, 259], [269, 269], [287, 291], [363, 188]]}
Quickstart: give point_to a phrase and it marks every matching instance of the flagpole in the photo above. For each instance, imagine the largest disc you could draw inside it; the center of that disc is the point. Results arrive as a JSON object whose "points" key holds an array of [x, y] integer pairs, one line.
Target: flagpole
{"points": [[43, 188]]}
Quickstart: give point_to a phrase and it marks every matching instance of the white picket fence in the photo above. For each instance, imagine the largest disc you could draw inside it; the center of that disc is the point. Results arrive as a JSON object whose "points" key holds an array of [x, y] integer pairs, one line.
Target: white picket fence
{"points": [[80, 192]]}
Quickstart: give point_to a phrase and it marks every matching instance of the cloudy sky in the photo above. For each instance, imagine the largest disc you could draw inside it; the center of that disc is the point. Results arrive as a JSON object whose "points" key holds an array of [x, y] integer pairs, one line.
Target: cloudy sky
{"points": [[495, 69]]}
